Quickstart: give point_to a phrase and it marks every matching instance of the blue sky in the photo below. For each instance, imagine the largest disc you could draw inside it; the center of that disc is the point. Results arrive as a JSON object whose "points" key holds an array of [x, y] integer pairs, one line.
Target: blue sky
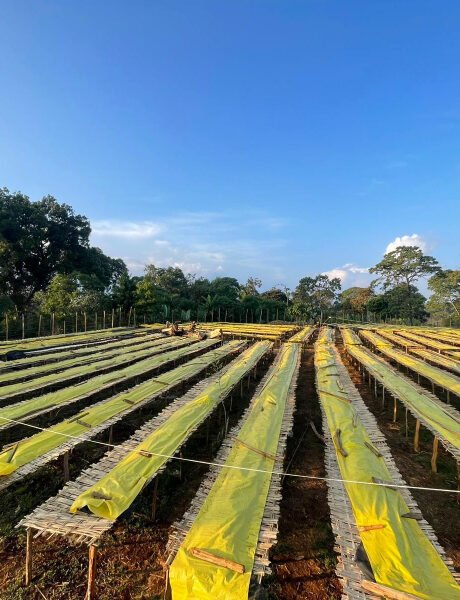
{"points": [[258, 137]]}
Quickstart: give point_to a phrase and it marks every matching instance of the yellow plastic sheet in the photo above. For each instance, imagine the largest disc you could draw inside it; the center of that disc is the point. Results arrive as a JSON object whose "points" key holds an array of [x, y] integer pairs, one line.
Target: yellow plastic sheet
{"points": [[64, 340], [45, 379], [302, 336], [67, 353], [103, 358], [229, 521], [28, 408], [349, 337], [124, 482], [400, 554], [39, 444], [400, 386], [446, 380]]}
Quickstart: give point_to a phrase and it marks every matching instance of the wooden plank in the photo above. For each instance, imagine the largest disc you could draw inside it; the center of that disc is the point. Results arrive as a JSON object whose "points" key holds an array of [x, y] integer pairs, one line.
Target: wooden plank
{"points": [[217, 560], [90, 593], [385, 592], [29, 556]]}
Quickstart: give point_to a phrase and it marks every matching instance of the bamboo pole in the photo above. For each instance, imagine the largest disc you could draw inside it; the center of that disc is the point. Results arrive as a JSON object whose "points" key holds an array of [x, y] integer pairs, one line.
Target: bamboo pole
{"points": [[29, 556], [90, 593], [434, 457], [417, 436]]}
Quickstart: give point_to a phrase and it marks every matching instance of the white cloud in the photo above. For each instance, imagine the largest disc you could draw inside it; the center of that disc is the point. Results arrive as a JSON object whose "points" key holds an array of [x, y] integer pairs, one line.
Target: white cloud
{"points": [[351, 275], [127, 230], [204, 243], [407, 240]]}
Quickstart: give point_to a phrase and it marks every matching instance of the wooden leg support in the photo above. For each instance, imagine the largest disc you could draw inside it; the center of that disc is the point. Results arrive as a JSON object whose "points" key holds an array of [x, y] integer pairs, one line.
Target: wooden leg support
{"points": [[29, 556], [154, 499], [417, 436], [434, 457], [395, 410], [90, 592], [111, 434], [65, 459]]}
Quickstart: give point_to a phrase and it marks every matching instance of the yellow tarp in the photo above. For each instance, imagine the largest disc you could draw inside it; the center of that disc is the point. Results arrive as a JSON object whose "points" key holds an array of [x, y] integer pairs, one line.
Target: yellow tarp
{"points": [[302, 336], [229, 521], [429, 343], [119, 359], [400, 554], [441, 360], [37, 445], [66, 353], [64, 340], [125, 481], [401, 387], [446, 380], [349, 337], [29, 407], [103, 358]]}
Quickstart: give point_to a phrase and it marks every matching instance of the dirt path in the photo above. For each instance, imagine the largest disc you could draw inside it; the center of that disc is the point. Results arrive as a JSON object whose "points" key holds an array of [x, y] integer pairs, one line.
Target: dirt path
{"points": [[303, 559]]}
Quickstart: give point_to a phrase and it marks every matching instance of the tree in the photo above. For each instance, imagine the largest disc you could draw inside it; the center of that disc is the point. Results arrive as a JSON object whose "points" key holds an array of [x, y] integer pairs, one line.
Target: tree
{"points": [[406, 304], [251, 286], [41, 239], [404, 266], [356, 299], [445, 286], [124, 291], [315, 295], [276, 295], [399, 303]]}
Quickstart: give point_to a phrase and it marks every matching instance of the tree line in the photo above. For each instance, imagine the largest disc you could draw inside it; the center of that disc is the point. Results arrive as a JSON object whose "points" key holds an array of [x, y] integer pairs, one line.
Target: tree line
{"points": [[48, 267]]}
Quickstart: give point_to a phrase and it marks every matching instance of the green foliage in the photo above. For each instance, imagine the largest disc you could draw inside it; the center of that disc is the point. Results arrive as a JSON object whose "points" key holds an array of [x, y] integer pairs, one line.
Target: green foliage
{"points": [[41, 239], [445, 301], [405, 265], [356, 298], [400, 302], [314, 296]]}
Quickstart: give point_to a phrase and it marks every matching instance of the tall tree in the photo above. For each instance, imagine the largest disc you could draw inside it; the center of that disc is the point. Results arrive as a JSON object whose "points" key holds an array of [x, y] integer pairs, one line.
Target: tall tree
{"points": [[315, 295], [251, 287], [404, 266], [356, 298], [445, 286], [41, 239]]}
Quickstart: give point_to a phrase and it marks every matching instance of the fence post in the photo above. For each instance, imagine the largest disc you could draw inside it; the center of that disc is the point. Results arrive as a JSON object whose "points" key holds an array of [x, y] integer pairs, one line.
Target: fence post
{"points": [[113, 316], [103, 319], [95, 320], [39, 324], [119, 320]]}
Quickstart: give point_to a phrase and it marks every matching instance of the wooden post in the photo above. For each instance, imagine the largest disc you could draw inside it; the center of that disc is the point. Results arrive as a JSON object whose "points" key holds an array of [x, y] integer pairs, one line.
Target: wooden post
{"points": [[23, 327], [65, 458], [111, 434], [434, 457], [84, 316], [417, 436], [154, 499], [90, 595], [395, 410], [29, 556], [383, 396], [103, 319], [113, 316], [76, 322], [407, 426], [39, 324], [6, 327]]}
